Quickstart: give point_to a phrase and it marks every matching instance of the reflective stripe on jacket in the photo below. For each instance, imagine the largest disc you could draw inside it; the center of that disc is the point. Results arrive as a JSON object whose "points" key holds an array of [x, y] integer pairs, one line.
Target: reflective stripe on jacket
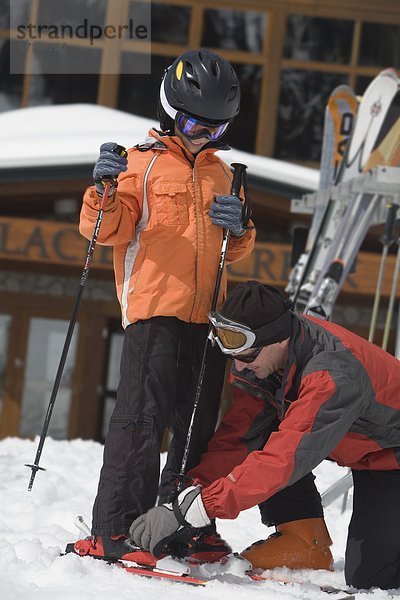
{"points": [[340, 398], [166, 250]]}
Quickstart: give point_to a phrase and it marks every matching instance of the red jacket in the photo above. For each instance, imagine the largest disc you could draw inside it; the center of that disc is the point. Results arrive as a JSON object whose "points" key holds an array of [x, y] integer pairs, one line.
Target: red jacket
{"points": [[339, 399]]}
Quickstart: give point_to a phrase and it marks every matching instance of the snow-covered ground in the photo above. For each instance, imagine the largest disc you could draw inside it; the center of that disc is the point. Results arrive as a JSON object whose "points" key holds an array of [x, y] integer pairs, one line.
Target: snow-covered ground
{"points": [[35, 527]]}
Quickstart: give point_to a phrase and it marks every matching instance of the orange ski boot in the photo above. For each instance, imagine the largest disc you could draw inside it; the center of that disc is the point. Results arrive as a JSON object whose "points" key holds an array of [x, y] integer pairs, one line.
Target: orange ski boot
{"points": [[302, 544]]}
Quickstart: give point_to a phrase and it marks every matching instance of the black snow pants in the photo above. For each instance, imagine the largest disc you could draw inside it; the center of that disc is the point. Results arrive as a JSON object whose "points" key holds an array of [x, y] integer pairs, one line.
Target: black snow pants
{"points": [[373, 543], [160, 366]]}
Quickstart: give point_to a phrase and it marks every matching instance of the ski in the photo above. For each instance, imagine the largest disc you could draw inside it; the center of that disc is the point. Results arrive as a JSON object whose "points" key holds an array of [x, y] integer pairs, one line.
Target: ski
{"points": [[325, 265], [371, 117], [339, 118], [337, 593], [163, 571], [340, 113]]}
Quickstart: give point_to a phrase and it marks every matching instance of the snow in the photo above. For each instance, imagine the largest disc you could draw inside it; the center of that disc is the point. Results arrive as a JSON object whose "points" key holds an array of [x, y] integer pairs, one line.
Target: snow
{"points": [[35, 527], [72, 134]]}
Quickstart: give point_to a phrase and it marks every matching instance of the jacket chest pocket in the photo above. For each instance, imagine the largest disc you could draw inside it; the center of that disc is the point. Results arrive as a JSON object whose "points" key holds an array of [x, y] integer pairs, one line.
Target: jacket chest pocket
{"points": [[171, 201]]}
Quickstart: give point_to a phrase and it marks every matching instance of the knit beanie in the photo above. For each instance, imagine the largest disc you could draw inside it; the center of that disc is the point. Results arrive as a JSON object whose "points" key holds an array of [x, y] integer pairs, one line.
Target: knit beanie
{"points": [[262, 308]]}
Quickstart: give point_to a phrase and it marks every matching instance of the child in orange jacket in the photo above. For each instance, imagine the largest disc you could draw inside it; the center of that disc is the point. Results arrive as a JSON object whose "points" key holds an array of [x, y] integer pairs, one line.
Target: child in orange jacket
{"points": [[165, 221]]}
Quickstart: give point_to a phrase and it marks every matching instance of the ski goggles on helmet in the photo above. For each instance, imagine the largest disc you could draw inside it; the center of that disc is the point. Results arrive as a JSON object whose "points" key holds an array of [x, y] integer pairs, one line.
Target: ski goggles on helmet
{"points": [[194, 129]]}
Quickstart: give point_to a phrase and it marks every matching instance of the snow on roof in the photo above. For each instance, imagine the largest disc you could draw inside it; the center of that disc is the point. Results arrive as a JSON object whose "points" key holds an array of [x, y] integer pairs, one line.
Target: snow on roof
{"points": [[71, 134]]}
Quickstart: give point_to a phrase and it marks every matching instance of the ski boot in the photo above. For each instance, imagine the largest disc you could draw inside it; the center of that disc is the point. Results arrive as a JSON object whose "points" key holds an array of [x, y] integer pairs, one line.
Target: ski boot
{"points": [[110, 548], [302, 544], [207, 547]]}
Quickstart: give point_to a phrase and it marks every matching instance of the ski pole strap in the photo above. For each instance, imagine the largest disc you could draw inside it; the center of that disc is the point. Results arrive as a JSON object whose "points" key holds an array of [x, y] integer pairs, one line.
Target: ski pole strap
{"points": [[179, 516]]}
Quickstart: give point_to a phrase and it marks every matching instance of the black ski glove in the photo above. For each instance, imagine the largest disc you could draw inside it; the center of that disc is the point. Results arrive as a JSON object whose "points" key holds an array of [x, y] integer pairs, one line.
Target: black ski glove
{"points": [[227, 212], [108, 166], [162, 524]]}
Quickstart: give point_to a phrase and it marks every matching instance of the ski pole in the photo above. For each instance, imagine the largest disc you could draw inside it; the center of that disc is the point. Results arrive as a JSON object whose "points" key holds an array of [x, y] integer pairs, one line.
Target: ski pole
{"points": [[239, 171], [387, 240], [85, 273], [389, 313]]}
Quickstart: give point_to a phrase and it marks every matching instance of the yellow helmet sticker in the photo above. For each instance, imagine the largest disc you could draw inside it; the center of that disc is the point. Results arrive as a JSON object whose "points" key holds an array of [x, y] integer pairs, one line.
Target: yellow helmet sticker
{"points": [[179, 70]]}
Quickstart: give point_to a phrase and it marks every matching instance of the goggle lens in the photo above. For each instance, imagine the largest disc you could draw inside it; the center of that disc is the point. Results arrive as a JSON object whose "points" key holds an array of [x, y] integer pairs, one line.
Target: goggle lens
{"points": [[231, 340], [248, 358], [193, 129]]}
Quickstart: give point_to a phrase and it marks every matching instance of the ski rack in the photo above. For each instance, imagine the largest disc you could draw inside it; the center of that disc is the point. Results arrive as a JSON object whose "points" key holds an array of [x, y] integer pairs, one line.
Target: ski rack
{"points": [[381, 180]]}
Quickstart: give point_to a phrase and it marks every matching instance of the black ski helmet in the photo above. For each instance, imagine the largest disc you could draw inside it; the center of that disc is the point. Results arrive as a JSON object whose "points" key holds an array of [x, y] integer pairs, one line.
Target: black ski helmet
{"points": [[200, 84]]}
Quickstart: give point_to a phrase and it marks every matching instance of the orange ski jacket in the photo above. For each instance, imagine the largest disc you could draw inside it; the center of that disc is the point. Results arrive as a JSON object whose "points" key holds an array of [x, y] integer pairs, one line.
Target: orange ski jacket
{"points": [[166, 249]]}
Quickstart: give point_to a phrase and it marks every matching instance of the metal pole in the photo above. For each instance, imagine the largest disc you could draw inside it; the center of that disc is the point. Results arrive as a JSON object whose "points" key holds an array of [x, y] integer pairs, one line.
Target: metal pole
{"points": [[389, 314], [337, 489], [85, 273], [239, 170], [387, 241]]}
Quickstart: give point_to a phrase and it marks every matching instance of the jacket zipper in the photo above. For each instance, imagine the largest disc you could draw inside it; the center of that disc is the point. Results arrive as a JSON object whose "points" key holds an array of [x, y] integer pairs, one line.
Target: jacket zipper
{"points": [[197, 242]]}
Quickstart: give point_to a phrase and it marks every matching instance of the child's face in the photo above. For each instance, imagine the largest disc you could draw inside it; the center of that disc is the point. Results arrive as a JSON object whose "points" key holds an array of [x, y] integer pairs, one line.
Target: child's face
{"points": [[193, 146]]}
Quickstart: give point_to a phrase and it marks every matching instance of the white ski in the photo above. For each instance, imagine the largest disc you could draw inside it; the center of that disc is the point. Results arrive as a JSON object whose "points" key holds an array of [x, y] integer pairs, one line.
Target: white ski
{"points": [[339, 118], [347, 217]]}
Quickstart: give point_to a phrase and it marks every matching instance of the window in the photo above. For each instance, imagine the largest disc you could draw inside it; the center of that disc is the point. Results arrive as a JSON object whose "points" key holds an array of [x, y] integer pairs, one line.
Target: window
{"points": [[233, 30], [243, 131], [169, 23], [65, 87], [72, 12], [20, 10], [302, 101], [138, 94], [380, 45], [45, 343], [310, 38], [11, 85]]}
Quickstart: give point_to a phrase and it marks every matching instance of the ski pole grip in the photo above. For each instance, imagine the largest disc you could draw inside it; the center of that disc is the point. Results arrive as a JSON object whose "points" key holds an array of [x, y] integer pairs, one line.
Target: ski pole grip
{"points": [[388, 235], [121, 151], [238, 171]]}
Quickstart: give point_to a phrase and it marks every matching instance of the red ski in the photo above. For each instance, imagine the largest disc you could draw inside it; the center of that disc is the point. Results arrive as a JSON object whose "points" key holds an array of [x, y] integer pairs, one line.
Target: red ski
{"points": [[161, 573]]}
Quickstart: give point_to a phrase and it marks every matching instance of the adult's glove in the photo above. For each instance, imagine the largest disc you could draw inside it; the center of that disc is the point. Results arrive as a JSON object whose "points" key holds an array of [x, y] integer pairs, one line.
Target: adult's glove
{"points": [[108, 166], [227, 211], [162, 524]]}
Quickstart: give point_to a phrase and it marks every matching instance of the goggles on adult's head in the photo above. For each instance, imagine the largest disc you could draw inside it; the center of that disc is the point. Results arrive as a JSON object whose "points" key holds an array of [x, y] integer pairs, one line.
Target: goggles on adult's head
{"points": [[194, 129], [231, 337]]}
